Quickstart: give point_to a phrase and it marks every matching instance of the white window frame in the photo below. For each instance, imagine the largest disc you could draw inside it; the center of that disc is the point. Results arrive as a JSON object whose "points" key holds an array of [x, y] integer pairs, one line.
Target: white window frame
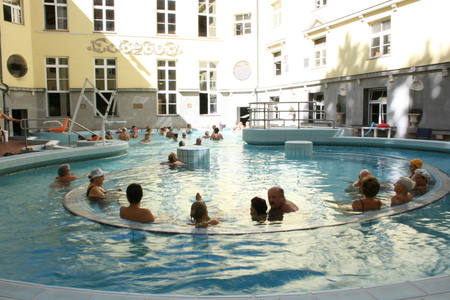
{"points": [[320, 3], [60, 14], [207, 9], [106, 8], [16, 11], [320, 52], [277, 63], [59, 84], [276, 6], [167, 87], [380, 41], [208, 86], [166, 17], [319, 106], [243, 24], [108, 84], [377, 107]]}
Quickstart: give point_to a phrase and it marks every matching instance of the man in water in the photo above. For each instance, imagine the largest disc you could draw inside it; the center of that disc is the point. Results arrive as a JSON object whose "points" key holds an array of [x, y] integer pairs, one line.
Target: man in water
{"points": [[135, 212], [278, 201]]}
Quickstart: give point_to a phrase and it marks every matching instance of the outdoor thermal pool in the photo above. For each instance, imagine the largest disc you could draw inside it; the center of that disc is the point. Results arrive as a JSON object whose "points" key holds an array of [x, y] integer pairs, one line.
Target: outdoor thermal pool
{"points": [[58, 248]]}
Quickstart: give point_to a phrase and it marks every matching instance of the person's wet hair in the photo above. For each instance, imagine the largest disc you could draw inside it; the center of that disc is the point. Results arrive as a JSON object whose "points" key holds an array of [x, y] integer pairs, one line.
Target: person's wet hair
{"points": [[260, 205], [63, 170], [198, 209], [370, 186], [134, 193], [173, 157]]}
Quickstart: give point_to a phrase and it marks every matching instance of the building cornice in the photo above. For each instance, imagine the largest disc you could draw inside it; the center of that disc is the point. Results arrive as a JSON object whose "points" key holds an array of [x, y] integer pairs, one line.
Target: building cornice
{"points": [[360, 15]]}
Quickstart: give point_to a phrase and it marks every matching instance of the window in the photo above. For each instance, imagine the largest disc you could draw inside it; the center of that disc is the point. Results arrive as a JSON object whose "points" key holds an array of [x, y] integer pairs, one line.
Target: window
{"points": [[106, 82], [316, 107], [167, 87], [207, 18], [320, 52], [243, 24], [17, 66], [381, 38], [12, 11], [58, 96], [208, 88], [377, 105], [319, 107], [320, 3], [166, 17], [55, 12], [104, 15], [277, 63], [276, 13]]}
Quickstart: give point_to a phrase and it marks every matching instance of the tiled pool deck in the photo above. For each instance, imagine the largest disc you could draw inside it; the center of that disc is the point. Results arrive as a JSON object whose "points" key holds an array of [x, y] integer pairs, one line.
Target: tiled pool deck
{"points": [[435, 288]]}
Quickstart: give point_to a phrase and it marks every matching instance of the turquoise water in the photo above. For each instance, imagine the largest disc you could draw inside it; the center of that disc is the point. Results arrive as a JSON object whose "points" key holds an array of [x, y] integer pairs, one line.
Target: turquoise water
{"points": [[43, 243]]}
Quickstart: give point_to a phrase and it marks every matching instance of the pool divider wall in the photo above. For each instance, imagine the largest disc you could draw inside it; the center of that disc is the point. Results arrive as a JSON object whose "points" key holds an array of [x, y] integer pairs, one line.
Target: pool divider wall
{"points": [[196, 156], [298, 149]]}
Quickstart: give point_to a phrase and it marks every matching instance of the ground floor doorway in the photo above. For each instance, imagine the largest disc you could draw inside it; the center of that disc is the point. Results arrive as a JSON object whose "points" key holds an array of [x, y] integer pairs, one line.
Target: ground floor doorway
{"points": [[18, 114]]}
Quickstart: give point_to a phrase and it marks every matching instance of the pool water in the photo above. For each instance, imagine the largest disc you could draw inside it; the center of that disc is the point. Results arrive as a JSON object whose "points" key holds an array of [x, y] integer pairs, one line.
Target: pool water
{"points": [[43, 243]]}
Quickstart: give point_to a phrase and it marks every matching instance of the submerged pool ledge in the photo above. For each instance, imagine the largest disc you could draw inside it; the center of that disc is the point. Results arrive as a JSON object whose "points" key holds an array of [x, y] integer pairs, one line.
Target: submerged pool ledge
{"points": [[33, 160]]}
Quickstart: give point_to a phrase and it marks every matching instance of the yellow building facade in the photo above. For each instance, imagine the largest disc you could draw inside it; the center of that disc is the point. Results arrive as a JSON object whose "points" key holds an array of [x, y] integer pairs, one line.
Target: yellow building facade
{"points": [[202, 62]]}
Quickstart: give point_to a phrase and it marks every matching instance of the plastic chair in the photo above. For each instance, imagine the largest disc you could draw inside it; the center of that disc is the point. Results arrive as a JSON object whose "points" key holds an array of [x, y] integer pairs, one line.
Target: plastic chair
{"points": [[62, 128]]}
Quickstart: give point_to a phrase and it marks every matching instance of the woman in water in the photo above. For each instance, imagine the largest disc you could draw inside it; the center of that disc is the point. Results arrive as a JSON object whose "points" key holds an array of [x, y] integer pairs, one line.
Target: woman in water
{"points": [[199, 213], [95, 189], [370, 188]]}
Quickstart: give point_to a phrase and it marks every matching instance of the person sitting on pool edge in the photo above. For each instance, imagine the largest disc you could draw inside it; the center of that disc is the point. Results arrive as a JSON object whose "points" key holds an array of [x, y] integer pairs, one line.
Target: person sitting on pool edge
{"points": [[134, 212], [421, 178], [414, 164], [95, 189], [199, 213], [258, 209], [370, 188], [173, 160], [275, 196], [402, 189]]}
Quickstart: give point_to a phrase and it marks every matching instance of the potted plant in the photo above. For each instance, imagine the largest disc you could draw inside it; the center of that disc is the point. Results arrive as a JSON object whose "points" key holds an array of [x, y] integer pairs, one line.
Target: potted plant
{"points": [[292, 113]]}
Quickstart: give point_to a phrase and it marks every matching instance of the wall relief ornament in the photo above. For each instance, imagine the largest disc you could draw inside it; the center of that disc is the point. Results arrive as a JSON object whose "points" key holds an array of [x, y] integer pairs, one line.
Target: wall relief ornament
{"points": [[102, 45]]}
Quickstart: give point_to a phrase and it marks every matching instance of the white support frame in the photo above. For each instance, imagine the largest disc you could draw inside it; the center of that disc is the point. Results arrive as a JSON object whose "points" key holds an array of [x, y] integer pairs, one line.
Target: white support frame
{"points": [[112, 101]]}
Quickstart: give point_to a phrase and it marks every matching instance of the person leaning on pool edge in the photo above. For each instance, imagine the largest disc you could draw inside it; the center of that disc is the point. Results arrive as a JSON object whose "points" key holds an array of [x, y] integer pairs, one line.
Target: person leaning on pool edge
{"points": [[277, 200], [414, 164], [370, 188], [95, 189], [134, 212]]}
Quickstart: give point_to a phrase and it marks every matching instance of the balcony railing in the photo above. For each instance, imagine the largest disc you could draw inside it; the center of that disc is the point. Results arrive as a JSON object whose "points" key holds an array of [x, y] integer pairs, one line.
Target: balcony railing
{"points": [[266, 115]]}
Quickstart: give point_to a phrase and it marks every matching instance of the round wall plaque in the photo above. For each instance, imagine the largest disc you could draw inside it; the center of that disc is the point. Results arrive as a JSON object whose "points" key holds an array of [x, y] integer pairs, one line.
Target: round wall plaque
{"points": [[242, 70]]}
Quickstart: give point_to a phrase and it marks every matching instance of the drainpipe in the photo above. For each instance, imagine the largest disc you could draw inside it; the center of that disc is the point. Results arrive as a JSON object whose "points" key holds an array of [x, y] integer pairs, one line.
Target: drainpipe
{"points": [[3, 86], [257, 50]]}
